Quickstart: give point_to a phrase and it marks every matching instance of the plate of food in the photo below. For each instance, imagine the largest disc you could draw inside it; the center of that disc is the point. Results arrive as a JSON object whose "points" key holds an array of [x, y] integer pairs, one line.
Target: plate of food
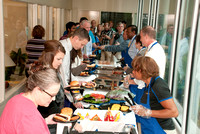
{"points": [[89, 84], [91, 65], [95, 98], [86, 61], [66, 116], [92, 56], [92, 107], [84, 74]]}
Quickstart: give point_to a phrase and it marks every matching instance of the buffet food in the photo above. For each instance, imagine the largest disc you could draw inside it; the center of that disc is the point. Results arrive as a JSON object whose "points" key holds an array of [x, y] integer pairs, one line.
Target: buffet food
{"points": [[95, 98], [89, 84], [64, 116], [92, 56], [121, 107], [74, 85], [95, 118], [86, 61], [84, 74], [91, 66], [124, 108], [118, 94], [115, 107], [109, 117], [93, 107]]}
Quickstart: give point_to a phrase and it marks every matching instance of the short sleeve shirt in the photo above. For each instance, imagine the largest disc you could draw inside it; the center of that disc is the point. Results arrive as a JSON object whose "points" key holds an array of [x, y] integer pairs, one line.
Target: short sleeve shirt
{"points": [[159, 92], [20, 116]]}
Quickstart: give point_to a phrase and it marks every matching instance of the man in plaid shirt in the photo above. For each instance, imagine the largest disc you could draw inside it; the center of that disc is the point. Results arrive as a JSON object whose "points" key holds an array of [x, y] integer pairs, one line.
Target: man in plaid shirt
{"points": [[106, 36]]}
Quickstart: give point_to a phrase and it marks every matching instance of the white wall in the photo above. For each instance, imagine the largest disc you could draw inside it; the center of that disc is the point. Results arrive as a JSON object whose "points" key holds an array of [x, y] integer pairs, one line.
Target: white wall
{"points": [[128, 6], [67, 4]]}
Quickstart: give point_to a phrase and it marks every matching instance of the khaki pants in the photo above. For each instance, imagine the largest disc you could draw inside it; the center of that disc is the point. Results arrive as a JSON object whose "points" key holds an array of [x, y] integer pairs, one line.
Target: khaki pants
{"points": [[105, 56], [118, 55]]}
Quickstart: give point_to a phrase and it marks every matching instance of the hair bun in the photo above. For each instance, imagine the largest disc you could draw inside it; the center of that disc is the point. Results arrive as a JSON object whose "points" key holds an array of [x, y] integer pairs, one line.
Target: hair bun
{"points": [[35, 67]]}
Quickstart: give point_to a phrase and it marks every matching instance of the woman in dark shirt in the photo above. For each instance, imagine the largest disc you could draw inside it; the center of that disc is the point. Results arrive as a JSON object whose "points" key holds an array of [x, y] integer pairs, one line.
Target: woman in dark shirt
{"points": [[155, 106]]}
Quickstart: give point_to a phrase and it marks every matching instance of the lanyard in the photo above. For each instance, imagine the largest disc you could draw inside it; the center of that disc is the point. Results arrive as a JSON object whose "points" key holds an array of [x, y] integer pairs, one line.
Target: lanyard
{"points": [[132, 41], [152, 46]]}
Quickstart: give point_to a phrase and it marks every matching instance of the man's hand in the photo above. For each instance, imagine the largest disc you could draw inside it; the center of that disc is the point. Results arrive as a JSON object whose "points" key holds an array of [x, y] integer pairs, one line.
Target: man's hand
{"points": [[102, 47], [126, 67]]}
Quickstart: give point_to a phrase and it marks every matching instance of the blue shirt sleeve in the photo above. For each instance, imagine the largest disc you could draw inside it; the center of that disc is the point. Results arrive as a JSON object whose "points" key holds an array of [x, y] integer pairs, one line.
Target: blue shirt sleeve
{"points": [[92, 36], [117, 48]]}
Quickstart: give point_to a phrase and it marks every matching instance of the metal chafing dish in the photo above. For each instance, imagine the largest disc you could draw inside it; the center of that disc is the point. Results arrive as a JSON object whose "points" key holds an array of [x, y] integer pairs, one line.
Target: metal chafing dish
{"points": [[108, 77]]}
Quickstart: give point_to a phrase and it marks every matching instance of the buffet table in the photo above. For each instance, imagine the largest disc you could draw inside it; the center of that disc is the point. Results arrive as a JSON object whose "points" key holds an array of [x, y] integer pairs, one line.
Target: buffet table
{"points": [[127, 120], [125, 125]]}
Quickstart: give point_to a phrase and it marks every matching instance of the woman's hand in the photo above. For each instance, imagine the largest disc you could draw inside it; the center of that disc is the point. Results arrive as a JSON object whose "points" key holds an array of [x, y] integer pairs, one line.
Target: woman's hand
{"points": [[78, 105], [49, 119], [141, 111], [66, 92], [126, 67]]}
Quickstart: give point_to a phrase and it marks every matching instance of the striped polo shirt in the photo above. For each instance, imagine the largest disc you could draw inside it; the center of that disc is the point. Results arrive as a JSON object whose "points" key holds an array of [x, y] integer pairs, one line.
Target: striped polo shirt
{"points": [[34, 50]]}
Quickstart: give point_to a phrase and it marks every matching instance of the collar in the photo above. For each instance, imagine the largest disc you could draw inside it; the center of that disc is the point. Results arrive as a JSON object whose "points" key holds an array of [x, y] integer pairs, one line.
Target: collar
{"points": [[133, 38], [151, 45], [68, 45], [121, 33]]}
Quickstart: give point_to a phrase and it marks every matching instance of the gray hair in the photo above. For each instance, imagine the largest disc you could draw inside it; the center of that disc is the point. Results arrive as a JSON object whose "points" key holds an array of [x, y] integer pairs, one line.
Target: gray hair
{"points": [[150, 31], [83, 23], [43, 78], [119, 23]]}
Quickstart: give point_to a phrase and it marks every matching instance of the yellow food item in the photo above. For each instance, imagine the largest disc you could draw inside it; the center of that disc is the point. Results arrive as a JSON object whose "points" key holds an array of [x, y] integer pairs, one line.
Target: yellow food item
{"points": [[115, 107], [87, 116], [117, 116], [124, 108], [93, 107], [81, 117]]}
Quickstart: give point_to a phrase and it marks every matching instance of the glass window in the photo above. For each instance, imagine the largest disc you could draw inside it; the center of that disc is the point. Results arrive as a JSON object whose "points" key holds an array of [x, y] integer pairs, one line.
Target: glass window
{"points": [[165, 28], [16, 33], [39, 15], [54, 24], [181, 55], [47, 24], [145, 13], [194, 105], [116, 17]]}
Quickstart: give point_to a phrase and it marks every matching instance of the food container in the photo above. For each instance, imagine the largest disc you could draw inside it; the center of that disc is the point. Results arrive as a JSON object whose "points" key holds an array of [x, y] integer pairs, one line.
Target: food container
{"points": [[103, 126]]}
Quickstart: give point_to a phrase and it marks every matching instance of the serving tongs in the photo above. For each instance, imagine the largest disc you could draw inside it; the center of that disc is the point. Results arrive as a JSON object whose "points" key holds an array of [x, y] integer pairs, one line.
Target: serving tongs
{"points": [[131, 98]]}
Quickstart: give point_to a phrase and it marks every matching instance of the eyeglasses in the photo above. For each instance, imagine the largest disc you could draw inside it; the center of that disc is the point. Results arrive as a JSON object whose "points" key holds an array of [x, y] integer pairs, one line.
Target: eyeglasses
{"points": [[48, 93]]}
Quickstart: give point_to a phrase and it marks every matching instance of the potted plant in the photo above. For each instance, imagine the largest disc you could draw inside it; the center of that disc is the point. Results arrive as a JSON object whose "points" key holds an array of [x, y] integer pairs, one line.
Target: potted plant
{"points": [[20, 60]]}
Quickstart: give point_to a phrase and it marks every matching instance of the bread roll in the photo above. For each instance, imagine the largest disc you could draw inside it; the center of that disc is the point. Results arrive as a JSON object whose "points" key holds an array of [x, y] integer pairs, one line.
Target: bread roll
{"points": [[74, 118], [67, 111], [64, 116], [61, 118], [74, 85]]}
